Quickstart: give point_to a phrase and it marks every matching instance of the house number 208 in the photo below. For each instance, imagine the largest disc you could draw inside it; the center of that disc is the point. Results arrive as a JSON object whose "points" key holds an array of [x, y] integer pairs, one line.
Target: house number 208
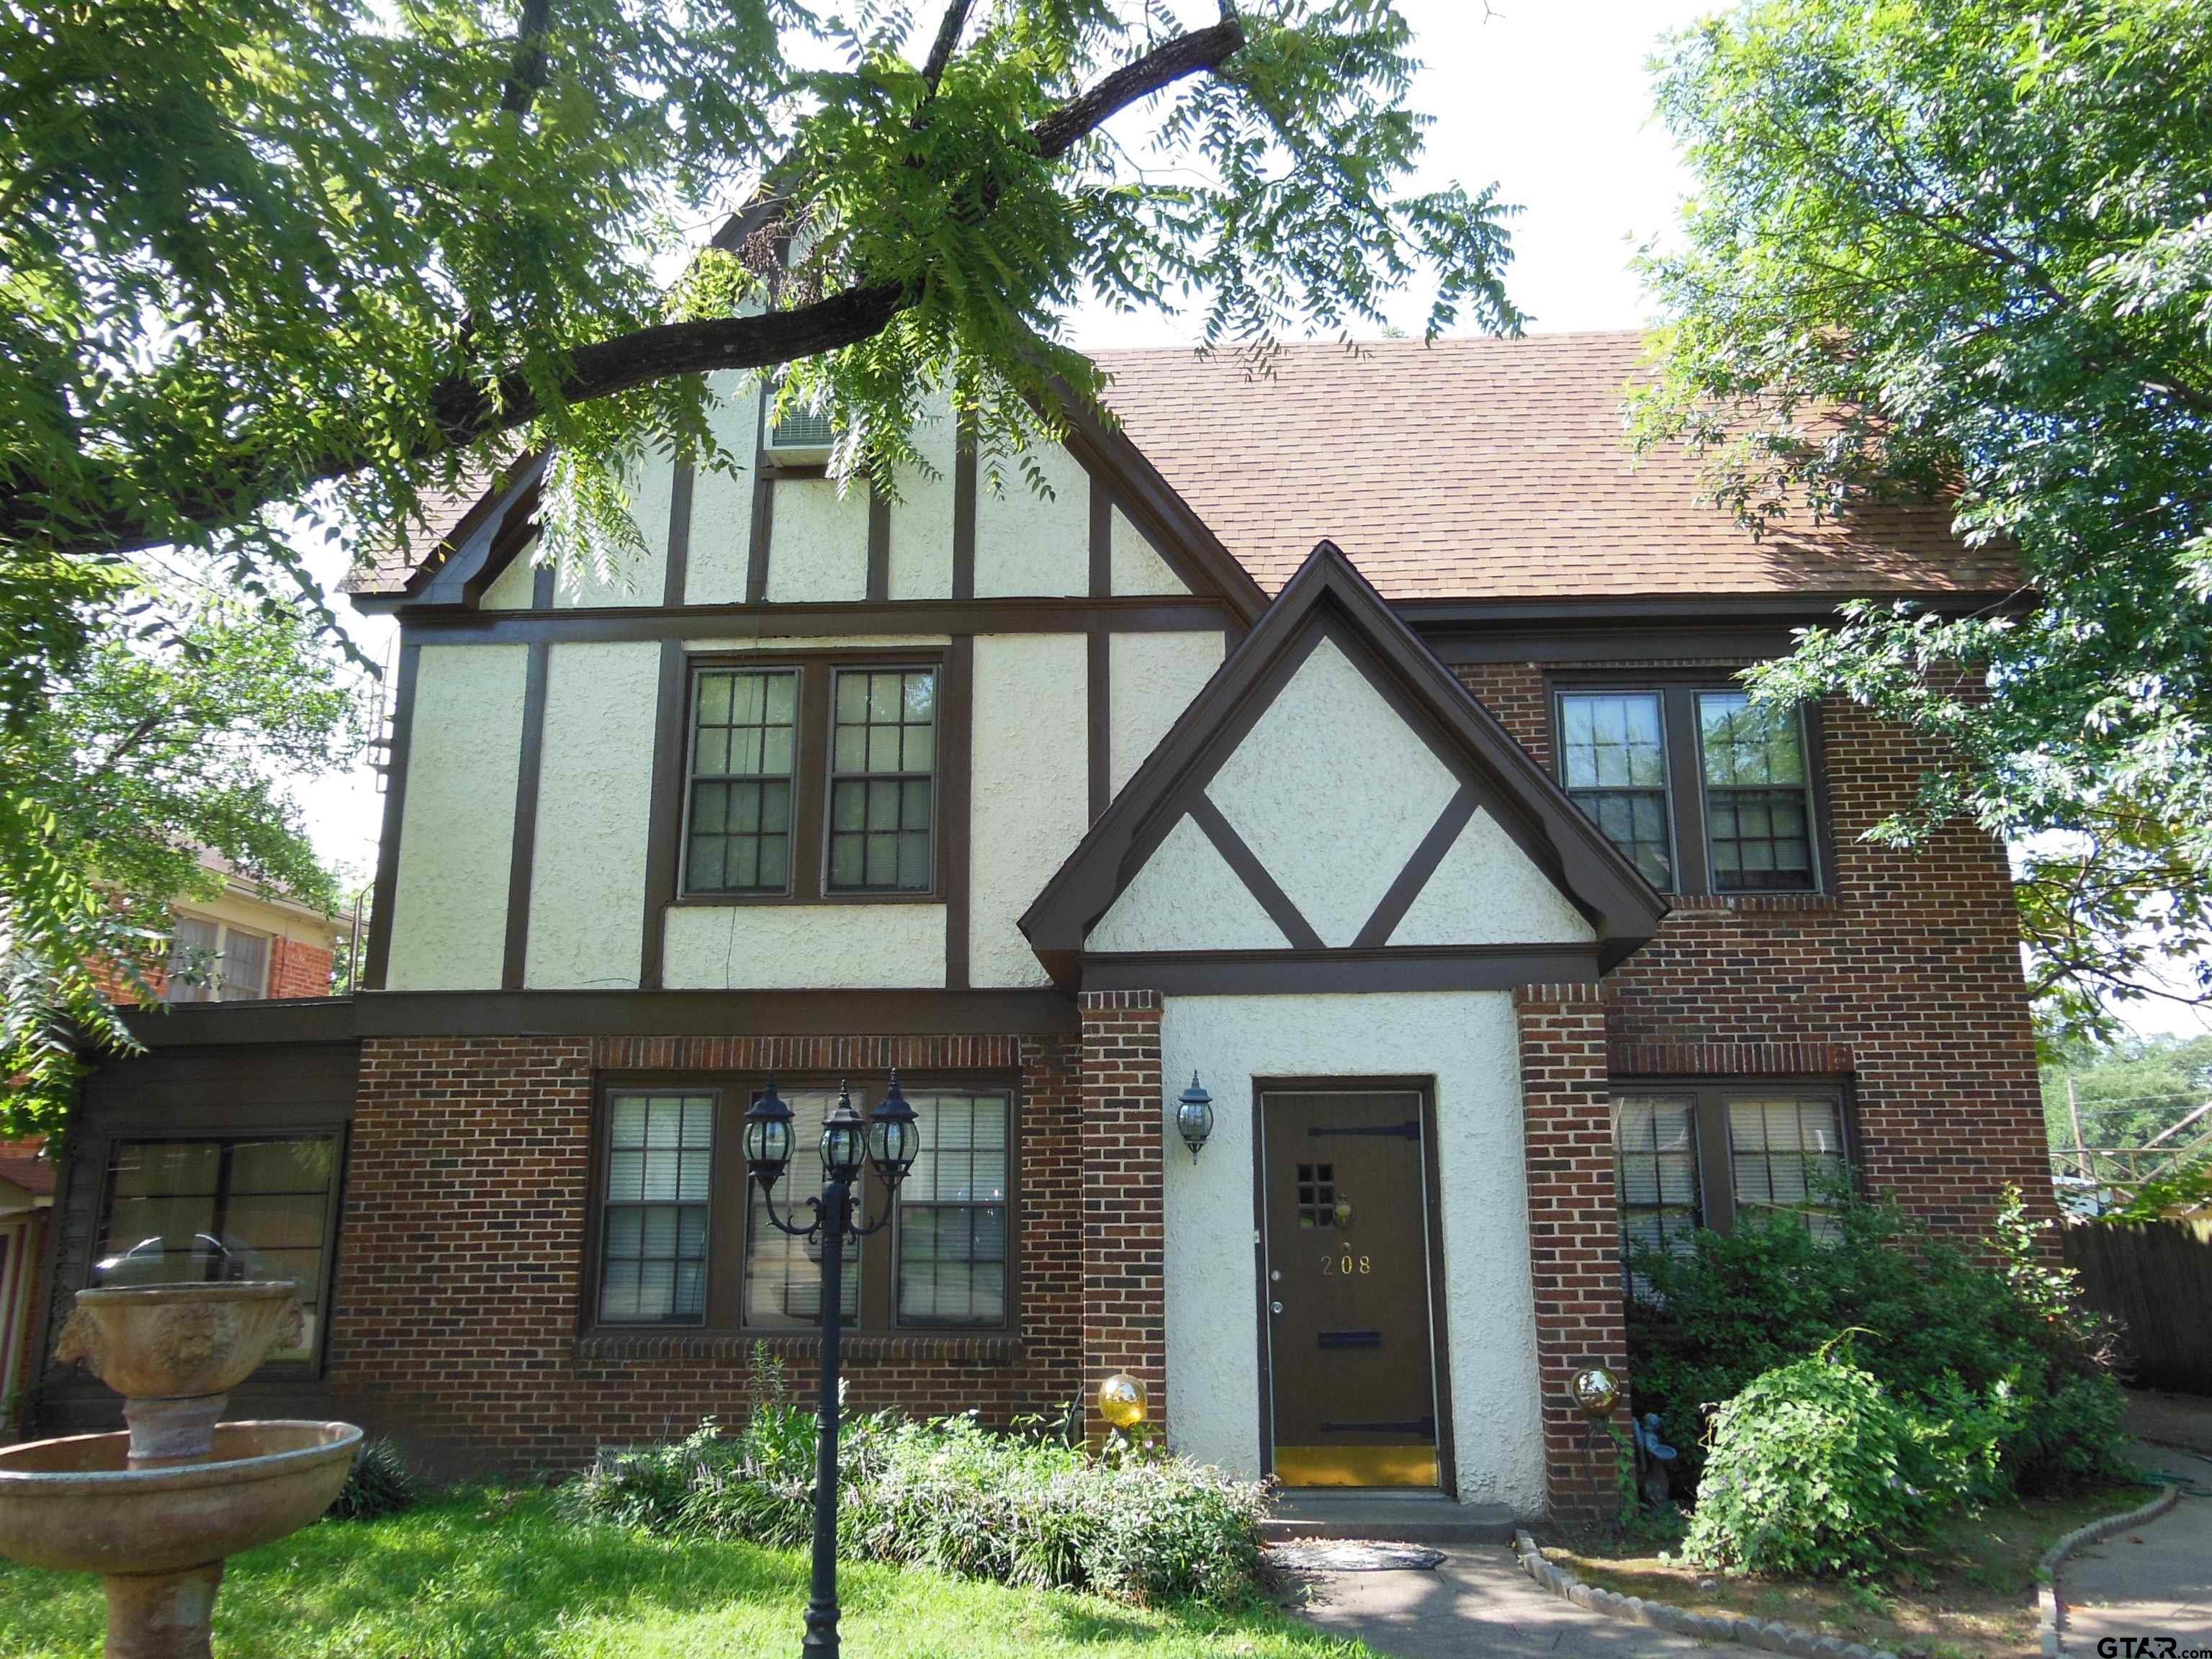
{"points": [[1346, 1266]]}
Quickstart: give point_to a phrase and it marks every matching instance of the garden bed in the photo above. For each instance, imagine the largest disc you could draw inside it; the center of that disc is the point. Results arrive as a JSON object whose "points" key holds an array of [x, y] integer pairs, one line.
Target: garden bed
{"points": [[500, 1575], [1968, 1591]]}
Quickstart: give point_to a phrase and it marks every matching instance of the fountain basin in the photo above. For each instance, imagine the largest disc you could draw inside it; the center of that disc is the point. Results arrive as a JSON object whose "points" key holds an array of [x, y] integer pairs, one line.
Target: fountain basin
{"points": [[74, 1506], [164, 1341]]}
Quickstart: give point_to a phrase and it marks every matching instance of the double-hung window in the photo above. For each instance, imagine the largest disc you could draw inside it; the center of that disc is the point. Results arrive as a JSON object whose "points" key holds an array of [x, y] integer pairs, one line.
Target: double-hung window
{"points": [[1703, 789], [212, 962], [742, 729]]}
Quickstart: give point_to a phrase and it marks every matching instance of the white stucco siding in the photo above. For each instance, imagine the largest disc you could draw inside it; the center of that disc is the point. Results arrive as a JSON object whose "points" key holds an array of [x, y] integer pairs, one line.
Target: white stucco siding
{"points": [[594, 798], [515, 588], [1467, 1042], [1136, 566], [722, 502], [1030, 791], [1487, 892], [632, 575], [806, 947], [1332, 791], [1152, 678], [457, 827], [818, 541], [1185, 898], [921, 517], [1029, 544]]}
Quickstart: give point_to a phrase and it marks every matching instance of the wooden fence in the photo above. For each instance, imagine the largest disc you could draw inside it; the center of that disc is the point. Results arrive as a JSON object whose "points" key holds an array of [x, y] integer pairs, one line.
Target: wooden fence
{"points": [[2156, 1278]]}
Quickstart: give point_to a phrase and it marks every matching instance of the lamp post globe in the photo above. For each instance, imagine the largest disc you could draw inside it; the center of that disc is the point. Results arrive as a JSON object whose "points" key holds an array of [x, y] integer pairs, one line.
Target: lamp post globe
{"points": [[894, 1136], [1195, 1116], [768, 1137], [844, 1140]]}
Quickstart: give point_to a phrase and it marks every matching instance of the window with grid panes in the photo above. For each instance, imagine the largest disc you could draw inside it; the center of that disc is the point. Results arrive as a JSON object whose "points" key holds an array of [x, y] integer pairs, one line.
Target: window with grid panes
{"points": [[952, 1213], [1758, 806], [783, 1274], [1655, 1141], [212, 962], [659, 1185], [1693, 1152], [883, 765], [744, 726], [1612, 748], [1786, 1154]]}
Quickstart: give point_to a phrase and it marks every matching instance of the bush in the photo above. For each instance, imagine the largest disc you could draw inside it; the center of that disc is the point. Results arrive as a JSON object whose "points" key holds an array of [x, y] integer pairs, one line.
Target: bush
{"points": [[950, 1495], [379, 1484], [1989, 1353], [1810, 1474]]}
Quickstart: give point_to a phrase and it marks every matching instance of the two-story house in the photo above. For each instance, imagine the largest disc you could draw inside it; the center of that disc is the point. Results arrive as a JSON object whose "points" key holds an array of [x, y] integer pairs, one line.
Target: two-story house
{"points": [[1363, 742]]}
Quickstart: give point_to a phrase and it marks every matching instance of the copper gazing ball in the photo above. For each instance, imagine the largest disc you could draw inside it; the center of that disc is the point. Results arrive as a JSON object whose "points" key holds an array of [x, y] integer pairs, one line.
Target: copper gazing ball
{"points": [[1597, 1391], [1121, 1401]]}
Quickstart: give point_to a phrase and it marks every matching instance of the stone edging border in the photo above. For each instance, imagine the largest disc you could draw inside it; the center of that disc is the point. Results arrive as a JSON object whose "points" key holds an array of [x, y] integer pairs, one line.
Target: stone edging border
{"points": [[2047, 1569], [1771, 1635]]}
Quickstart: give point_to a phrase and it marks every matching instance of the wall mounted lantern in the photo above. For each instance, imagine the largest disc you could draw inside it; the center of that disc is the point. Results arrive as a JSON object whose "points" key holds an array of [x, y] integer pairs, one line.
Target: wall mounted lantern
{"points": [[1195, 1116]]}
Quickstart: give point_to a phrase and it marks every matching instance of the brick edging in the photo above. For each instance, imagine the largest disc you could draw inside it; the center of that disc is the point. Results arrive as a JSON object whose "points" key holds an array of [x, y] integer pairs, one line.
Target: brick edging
{"points": [[2049, 1611]]}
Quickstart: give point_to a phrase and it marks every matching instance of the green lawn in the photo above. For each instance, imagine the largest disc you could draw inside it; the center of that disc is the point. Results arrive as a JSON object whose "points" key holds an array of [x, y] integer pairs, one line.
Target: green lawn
{"points": [[496, 1577]]}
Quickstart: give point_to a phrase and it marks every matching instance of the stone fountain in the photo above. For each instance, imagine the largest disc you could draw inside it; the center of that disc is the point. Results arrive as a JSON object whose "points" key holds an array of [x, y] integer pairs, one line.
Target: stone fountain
{"points": [[155, 1510]]}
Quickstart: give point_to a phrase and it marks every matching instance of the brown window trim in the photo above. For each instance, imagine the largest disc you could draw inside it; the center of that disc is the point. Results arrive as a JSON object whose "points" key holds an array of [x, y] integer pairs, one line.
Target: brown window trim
{"points": [[1677, 691], [1717, 1197], [808, 881], [730, 1193]]}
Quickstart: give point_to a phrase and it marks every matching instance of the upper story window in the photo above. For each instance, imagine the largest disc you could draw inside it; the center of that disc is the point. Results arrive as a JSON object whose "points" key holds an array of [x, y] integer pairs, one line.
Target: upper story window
{"points": [[1705, 791], [811, 779], [212, 962]]}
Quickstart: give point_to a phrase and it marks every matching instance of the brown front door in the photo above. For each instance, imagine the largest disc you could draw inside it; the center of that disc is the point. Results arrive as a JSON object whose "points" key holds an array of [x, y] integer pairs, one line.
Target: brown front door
{"points": [[1345, 1255]]}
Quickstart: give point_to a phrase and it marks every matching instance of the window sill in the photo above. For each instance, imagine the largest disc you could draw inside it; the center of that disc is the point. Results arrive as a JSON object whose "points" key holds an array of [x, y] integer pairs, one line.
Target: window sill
{"points": [[1753, 903], [987, 1348], [737, 900]]}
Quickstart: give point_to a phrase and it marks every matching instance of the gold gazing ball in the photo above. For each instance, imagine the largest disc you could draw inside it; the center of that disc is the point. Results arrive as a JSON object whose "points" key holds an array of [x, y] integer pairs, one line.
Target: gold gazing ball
{"points": [[1121, 1401], [1597, 1391]]}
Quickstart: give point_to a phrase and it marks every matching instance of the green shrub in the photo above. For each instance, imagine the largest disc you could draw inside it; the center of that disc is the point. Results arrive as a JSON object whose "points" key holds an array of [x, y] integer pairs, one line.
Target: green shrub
{"points": [[379, 1484], [1988, 1350], [950, 1495], [1810, 1474]]}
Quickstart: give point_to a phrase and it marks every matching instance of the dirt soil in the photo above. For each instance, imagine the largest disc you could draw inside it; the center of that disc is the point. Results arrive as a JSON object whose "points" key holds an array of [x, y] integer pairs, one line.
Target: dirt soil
{"points": [[1968, 1592]]}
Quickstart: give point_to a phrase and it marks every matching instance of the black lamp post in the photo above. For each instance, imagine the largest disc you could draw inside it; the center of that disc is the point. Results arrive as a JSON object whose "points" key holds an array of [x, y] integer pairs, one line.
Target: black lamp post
{"points": [[890, 1139]]}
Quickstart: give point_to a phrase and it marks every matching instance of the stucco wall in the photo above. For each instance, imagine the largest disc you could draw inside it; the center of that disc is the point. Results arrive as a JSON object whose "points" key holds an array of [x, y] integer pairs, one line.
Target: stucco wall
{"points": [[1487, 891], [457, 832], [1185, 898], [1027, 543], [595, 800], [922, 519], [722, 502], [803, 947], [1031, 791], [515, 588], [630, 575], [1467, 1042], [1332, 791], [1136, 567], [818, 542], [1152, 678]]}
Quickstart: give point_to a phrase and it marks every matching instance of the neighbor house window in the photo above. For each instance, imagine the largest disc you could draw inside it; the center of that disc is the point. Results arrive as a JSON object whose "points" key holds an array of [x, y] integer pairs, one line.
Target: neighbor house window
{"points": [[1699, 1154], [744, 738], [196, 1211], [659, 1182], [783, 1274], [883, 771], [1704, 790], [212, 962], [952, 1214]]}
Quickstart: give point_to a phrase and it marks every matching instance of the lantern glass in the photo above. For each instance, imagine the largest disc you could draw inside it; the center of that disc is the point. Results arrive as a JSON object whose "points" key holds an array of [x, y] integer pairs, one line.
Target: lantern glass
{"points": [[768, 1137], [1195, 1116], [894, 1136], [844, 1140]]}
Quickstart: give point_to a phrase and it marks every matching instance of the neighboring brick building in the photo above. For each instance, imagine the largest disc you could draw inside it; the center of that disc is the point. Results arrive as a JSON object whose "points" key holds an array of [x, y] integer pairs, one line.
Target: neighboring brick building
{"points": [[1453, 865]]}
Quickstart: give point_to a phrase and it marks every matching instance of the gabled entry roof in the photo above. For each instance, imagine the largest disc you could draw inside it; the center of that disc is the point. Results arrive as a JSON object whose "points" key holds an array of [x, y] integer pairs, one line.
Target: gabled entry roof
{"points": [[1335, 811]]}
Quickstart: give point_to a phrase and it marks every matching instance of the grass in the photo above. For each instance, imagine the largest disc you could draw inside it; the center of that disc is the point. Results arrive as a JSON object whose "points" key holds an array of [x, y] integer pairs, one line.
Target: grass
{"points": [[484, 1575], [1968, 1592]]}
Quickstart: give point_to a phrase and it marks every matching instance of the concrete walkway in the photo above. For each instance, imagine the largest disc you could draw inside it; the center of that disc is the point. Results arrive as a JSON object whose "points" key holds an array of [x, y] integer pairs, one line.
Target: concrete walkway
{"points": [[2154, 1580], [1476, 1604]]}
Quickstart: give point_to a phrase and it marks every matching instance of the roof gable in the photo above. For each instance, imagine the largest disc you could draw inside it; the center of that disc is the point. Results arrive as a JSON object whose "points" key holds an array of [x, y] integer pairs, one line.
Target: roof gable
{"points": [[1361, 798]]}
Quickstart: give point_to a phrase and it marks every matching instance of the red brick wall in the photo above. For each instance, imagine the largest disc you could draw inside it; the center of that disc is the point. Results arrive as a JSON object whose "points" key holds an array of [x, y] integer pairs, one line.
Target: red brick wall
{"points": [[298, 970], [1574, 1231], [1906, 978], [1124, 1213], [460, 1272]]}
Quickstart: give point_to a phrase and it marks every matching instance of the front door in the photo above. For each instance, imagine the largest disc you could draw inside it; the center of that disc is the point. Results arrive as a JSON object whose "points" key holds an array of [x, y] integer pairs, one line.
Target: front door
{"points": [[1349, 1327]]}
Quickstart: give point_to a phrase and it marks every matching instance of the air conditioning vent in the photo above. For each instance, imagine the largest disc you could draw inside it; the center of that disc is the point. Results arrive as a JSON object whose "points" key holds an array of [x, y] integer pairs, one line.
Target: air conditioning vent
{"points": [[801, 437]]}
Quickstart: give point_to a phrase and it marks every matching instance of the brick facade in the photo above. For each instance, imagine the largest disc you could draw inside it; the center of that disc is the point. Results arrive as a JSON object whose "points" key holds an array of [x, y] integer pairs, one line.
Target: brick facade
{"points": [[459, 1282], [1905, 978], [1124, 1200], [298, 970], [1574, 1231]]}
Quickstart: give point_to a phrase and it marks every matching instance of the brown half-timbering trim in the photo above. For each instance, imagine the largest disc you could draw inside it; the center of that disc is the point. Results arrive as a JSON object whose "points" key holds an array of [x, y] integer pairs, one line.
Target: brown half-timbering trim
{"points": [[379, 957], [664, 813], [528, 768], [1391, 910], [879, 546], [541, 587], [1098, 711], [963, 515], [1309, 972], [763, 523], [1432, 1209], [1253, 874], [1102, 540], [797, 619], [1264, 1314], [956, 741], [679, 535]]}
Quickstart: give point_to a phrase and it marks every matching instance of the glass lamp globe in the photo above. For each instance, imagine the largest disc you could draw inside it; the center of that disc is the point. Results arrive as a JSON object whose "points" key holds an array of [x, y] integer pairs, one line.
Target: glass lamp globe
{"points": [[1195, 1116], [894, 1136], [768, 1137], [844, 1139]]}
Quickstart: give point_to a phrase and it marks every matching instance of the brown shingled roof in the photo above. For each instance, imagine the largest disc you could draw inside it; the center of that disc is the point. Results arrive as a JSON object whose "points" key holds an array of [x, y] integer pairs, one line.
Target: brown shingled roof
{"points": [[444, 511], [1478, 469]]}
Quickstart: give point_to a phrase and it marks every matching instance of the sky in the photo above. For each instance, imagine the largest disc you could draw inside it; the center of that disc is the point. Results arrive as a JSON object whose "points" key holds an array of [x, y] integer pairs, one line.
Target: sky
{"points": [[1551, 100]]}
